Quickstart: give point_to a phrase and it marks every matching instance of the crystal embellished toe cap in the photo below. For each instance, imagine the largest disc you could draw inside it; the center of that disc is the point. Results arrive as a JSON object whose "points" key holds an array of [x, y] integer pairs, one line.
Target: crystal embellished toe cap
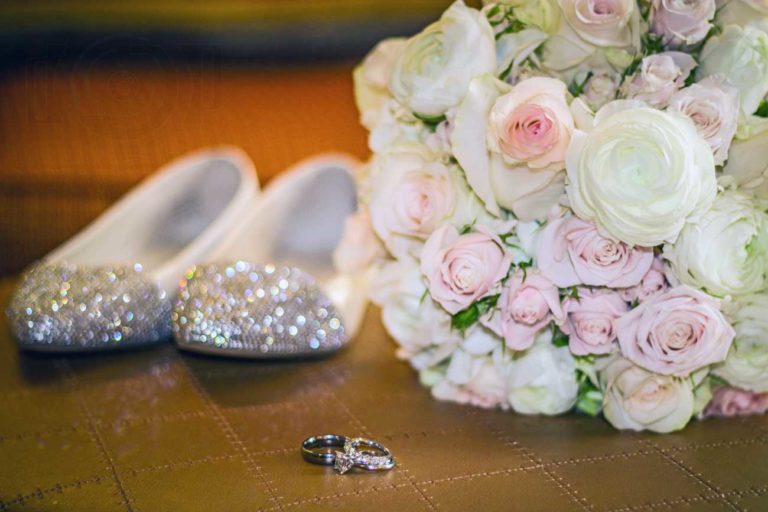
{"points": [[69, 308], [247, 310]]}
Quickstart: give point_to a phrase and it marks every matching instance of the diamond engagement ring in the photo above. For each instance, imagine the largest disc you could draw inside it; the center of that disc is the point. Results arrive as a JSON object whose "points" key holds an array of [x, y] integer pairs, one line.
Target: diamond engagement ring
{"points": [[357, 452]]}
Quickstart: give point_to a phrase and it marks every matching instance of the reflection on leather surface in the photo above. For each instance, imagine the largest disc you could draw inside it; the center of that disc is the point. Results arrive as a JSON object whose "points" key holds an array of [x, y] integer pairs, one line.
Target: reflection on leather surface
{"points": [[161, 430]]}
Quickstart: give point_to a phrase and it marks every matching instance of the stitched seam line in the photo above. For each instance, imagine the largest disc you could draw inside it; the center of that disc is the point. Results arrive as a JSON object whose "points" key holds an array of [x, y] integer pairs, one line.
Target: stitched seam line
{"points": [[72, 382], [232, 436]]}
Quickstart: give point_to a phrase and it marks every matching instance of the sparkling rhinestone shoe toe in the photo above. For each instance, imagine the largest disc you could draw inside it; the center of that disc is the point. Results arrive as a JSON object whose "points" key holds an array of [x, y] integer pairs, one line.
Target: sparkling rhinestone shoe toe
{"points": [[111, 285], [271, 290]]}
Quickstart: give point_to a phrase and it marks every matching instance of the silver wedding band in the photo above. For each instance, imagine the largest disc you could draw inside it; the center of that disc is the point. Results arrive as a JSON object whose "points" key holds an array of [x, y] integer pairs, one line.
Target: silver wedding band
{"points": [[312, 448], [359, 452]]}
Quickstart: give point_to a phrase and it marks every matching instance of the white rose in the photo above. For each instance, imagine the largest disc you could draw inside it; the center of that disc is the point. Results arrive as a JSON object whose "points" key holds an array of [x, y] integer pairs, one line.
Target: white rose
{"points": [[421, 328], [746, 366], [542, 380], [371, 80], [743, 13], [747, 163], [412, 194], [636, 399], [358, 248], [434, 70], [602, 22], [472, 379], [741, 55], [640, 173], [601, 88], [713, 106], [725, 252], [488, 140], [659, 77], [512, 50]]}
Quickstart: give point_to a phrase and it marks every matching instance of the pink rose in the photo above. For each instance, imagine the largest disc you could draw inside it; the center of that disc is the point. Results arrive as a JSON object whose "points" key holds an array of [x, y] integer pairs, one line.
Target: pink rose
{"points": [[601, 22], [532, 124], [461, 269], [660, 76], [572, 252], [590, 321], [713, 106], [682, 22], [527, 304], [653, 282], [411, 195], [728, 402], [675, 332]]}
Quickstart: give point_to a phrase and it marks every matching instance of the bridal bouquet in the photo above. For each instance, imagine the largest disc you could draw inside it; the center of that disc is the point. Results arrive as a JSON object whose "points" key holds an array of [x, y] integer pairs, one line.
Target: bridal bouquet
{"points": [[566, 206]]}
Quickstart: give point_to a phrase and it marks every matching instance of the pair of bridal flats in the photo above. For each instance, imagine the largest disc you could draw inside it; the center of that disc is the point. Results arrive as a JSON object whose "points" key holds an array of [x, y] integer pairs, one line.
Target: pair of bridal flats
{"points": [[199, 253]]}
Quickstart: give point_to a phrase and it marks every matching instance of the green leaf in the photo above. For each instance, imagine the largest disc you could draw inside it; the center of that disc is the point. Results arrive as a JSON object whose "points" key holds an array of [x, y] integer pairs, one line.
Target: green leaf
{"points": [[514, 27], [559, 338], [762, 110], [652, 43], [431, 122], [487, 303], [577, 88], [524, 266], [590, 398], [465, 318], [691, 79], [590, 402], [572, 292]]}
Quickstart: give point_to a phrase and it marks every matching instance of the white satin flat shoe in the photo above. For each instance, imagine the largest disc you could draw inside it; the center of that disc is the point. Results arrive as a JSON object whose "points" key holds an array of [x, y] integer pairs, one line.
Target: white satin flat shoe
{"points": [[110, 286], [271, 290]]}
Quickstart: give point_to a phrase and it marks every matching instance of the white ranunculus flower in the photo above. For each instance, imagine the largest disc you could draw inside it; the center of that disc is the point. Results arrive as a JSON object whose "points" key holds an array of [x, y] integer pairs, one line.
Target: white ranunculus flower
{"points": [[412, 194], [746, 366], [713, 106], [434, 69], [371, 80], [741, 55], [511, 142], [640, 173], [743, 12], [542, 379], [725, 252], [421, 328], [636, 399], [747, 163]]}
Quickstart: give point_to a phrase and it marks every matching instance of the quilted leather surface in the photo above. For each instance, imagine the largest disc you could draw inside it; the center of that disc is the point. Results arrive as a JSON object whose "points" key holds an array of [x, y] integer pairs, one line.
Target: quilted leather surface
{"points": [[158, 430]]}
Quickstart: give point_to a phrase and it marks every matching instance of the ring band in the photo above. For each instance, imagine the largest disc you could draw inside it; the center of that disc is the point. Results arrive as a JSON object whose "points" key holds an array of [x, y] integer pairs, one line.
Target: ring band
{"points": [[326, 450], [325, 458], [368, 459]]}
